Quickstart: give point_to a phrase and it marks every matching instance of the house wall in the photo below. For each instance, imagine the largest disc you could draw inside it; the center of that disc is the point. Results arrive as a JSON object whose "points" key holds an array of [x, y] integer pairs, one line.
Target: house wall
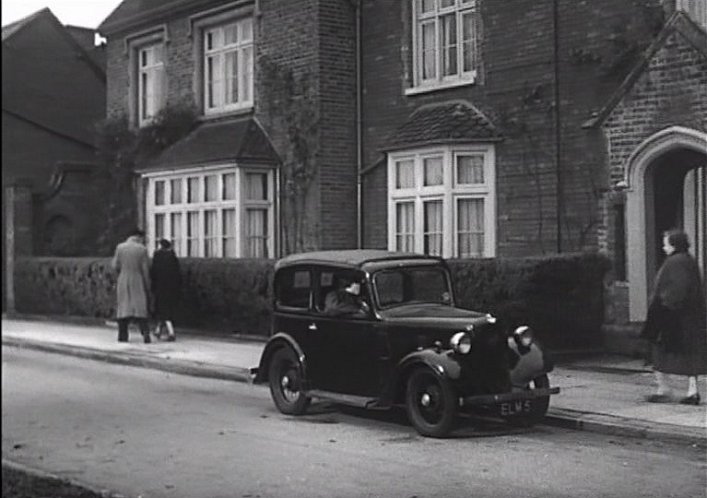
{"points": [[516, 90], [314, 41]]}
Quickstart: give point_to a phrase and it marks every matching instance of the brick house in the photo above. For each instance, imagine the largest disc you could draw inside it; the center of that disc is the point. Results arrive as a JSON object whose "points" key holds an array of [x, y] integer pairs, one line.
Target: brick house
{"points": [[423, 125], [245, 182], [53, 92]]}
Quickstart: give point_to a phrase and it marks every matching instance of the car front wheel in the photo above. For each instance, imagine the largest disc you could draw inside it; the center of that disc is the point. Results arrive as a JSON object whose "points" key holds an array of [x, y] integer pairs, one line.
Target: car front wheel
{"points": [[430, 403], [285, 378]]}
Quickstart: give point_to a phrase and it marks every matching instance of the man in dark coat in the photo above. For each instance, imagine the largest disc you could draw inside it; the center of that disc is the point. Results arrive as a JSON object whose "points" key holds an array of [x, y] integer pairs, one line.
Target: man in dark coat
{"points": [[677, 319], [131, 261], [166, 279]]}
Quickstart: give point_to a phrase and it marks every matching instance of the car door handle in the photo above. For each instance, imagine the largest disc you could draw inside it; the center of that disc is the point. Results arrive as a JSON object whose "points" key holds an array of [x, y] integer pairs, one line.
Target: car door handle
{"points": [[312, 326]]}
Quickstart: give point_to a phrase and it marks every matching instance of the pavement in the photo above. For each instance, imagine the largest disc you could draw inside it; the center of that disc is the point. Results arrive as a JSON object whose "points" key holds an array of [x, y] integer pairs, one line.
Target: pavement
{"points": [[598, 393]]}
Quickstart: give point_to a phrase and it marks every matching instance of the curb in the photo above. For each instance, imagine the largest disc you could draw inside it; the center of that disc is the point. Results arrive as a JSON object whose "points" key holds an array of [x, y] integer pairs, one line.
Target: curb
{"points": [[183, 367], [556, 417], [621, 426], [105, 493]]}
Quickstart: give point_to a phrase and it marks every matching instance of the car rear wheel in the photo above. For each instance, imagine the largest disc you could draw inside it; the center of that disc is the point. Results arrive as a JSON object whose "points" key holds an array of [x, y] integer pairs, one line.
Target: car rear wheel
{"points": [[285, 378], [538, 406], [430, 403]]}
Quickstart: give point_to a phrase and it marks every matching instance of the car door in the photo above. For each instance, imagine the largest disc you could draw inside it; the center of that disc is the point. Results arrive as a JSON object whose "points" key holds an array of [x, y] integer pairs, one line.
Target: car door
{"points": [[351, 347]]}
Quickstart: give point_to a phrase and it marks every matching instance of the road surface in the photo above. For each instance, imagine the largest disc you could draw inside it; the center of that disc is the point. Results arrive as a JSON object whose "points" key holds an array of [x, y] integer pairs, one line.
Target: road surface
{"points": [[152, 434]]}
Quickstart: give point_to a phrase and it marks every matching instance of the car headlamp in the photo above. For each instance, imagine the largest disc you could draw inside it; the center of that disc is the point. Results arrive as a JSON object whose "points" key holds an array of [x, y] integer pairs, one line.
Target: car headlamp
{"points": [[461, 342], [523, 336]]}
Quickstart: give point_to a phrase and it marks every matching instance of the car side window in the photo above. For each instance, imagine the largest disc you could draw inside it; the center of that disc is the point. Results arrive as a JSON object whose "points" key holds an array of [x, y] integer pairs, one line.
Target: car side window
{"points": [[294, 289], [342, 293]]}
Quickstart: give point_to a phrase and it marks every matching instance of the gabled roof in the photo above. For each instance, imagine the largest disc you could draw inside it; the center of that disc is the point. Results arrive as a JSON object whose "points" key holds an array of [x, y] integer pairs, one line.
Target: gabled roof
{"points": [[446, 122], [217, 142], [64, 93], [680, 23], [11, 29], [133, 12]]}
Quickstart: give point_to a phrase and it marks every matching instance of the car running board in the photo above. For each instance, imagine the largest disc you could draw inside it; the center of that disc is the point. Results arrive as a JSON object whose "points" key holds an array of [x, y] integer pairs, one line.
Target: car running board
{"points": [[344, 399]]}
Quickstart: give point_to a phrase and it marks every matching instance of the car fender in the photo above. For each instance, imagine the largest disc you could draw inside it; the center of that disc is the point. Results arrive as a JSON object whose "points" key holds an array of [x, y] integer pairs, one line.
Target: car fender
{"points": [[442, 363], [527, 362], [276, 342]]}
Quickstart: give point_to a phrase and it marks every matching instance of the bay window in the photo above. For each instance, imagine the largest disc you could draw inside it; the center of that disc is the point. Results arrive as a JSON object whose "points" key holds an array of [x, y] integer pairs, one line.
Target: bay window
{"points": [[442, 201], [214, 212]]}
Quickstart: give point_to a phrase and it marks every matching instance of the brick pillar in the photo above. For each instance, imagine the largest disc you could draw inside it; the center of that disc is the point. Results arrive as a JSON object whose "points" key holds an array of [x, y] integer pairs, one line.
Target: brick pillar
{"points": [[17, 224]]}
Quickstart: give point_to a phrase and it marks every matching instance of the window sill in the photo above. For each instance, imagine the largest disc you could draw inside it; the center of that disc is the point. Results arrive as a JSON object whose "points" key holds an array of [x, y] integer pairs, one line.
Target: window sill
{"points": [[209, 115], [439, 86]]}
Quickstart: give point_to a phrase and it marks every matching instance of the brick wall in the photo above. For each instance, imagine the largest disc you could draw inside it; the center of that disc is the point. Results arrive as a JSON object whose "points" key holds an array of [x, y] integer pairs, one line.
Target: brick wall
{"points": [[516, 88]]}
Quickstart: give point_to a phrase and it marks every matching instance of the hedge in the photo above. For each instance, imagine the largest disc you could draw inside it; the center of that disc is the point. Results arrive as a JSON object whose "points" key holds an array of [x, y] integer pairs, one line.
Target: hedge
{"points": [[559, 296], [225, 295]]}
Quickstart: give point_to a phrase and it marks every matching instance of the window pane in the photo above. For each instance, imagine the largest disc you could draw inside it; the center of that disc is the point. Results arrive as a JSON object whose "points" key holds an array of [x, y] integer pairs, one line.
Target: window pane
{"points": [[246, 26], [449, 44], [426, 6], [214, 81], [433, 228], [231, 75], [446, 3], [193, 190], [433, 171], [159, 227], [469, 49], [256, 231], [230, 34], [211, 188], [229, 186], [405, 226], [470, 170], [256, 186], [176, 191], [176, 231], [429, 51], [210, 233], [229, 233], [246, 71], [193, 233], [159, 193], [470, 228], [405, 174]]}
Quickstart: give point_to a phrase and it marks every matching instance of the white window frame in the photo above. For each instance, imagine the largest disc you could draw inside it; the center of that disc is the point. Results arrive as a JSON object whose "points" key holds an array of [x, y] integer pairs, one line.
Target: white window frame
{"points": [[246, 66], [155, 73], [459, 8], [449, 192], [239, 204]]}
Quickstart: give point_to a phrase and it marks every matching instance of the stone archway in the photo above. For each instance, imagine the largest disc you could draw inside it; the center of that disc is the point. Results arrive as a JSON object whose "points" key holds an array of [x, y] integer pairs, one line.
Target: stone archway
{"points": [[659, 176]]}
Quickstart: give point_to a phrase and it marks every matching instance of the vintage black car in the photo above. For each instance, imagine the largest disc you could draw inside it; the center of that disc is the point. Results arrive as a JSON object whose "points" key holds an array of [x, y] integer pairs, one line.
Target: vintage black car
{"points": [[377, 329]]}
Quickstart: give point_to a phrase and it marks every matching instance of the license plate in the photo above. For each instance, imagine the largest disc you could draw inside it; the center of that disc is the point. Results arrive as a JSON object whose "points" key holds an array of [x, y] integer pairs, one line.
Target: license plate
{"points": [[516, 407]]}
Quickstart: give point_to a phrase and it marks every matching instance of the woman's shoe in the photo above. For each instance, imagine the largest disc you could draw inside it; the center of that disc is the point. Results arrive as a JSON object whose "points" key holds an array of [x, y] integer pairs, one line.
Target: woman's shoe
{"points": [[171, 338], [691, 400], [658, 398]]}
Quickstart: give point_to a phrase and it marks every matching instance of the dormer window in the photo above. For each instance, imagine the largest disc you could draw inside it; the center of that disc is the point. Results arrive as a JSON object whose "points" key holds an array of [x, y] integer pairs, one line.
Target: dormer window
{"points": [[446, 39]]}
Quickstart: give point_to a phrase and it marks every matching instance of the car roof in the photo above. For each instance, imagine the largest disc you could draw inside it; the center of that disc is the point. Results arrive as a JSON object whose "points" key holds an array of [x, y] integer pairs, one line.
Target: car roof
{"points": [[351, 258]]}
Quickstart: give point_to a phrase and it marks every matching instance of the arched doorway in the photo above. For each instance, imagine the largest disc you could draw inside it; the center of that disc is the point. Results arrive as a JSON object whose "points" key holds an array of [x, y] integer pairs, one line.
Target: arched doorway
{"points": [[667, 188]]}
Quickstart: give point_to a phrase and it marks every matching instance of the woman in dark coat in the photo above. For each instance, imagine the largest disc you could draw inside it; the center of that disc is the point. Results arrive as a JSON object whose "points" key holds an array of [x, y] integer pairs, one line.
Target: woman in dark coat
{"points": [[677, 320], [166, 287]]}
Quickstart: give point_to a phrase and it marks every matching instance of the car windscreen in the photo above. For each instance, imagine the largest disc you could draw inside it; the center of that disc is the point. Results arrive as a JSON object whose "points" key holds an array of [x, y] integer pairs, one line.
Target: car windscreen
{"points": [[400, 286]]}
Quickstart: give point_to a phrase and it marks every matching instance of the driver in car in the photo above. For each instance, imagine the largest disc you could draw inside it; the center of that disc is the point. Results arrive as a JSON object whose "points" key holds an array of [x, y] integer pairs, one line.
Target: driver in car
{"points": [[345, 299]]}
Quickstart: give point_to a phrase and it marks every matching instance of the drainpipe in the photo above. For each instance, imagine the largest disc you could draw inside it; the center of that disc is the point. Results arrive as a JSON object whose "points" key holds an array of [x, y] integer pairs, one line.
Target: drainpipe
{"points": [[359, 134], [559, 201]]}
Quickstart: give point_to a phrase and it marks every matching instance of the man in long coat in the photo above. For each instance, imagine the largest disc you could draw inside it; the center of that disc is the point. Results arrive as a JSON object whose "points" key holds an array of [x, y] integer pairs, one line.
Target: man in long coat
{"points": [[132, 263]]}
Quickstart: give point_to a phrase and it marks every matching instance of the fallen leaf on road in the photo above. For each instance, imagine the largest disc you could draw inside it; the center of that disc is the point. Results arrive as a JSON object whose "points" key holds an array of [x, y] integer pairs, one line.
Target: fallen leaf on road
{"points": [[17, 446]]}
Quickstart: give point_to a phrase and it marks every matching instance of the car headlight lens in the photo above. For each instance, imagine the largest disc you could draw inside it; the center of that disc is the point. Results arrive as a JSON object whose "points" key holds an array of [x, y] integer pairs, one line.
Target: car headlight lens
{"points": [[523, 336], [461, 342]]}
